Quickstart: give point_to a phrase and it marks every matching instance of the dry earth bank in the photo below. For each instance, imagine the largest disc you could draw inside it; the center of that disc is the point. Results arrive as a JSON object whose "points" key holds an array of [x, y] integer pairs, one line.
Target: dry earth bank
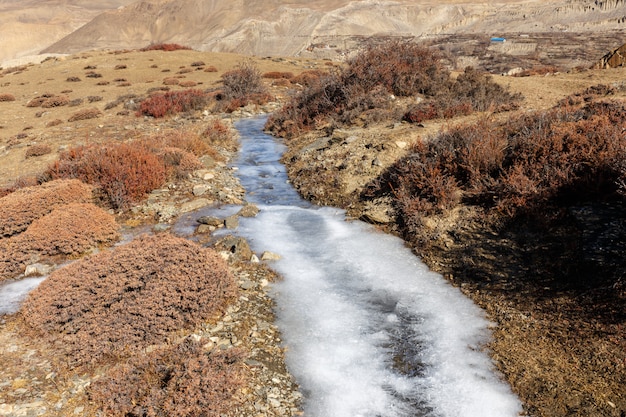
{"points": [[560, 337]]}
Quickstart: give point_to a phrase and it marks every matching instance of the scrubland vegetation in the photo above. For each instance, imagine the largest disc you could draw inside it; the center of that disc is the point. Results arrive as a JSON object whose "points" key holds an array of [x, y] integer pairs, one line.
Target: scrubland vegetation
{"points": [[369, 87]]}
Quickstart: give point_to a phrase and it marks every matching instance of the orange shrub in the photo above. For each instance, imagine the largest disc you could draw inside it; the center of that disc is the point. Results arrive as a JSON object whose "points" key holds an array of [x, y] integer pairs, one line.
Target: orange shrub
{"points": [[123, 172], [20, 208], [6, 97], [115, 303], [71, 230], [184, 380], [13, 258], [179, 163]]}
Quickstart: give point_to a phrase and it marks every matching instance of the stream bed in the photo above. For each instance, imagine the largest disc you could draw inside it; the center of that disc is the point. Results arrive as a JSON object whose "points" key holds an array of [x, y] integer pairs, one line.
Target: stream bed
{"points": [[369, 330]]}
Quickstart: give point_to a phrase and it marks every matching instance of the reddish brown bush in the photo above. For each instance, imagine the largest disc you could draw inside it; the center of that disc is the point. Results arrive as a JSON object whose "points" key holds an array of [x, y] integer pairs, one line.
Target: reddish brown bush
{"points": [[72, 229], [54, 122], [120, 66], [37, 101], [38, 150], [363, 92], [85, 114], [274, 75], [173, 102], [55, 101], [116, 302], [243, 85], [522, 167], [167, 47], [179, 163], [306, 78], [218, 133], [6, 97], [13, 258], [73, 79], [20, 208], [188, 83], [171, 81], [124, 172], [184, 380], [210, 68]]}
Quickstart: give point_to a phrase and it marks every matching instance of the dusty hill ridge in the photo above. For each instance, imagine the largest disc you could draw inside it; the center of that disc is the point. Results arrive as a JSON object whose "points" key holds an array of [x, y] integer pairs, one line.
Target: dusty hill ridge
{"points": [[321, 28]]}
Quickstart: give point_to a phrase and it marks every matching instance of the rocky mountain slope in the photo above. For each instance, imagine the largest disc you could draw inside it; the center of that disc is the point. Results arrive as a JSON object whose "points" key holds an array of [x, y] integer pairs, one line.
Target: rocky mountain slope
{"points": [[321, 28]]}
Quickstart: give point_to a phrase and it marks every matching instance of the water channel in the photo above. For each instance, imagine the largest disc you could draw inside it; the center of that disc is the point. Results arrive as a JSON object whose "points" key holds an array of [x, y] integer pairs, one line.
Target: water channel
{"points": [[369, 330]]}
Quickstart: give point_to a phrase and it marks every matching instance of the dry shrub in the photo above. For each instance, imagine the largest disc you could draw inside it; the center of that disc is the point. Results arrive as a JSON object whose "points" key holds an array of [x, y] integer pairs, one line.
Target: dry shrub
{"points": [[530, 165], [56, 101], [6, 97], [243, 85], [307, 78], [178, 162], [210, 68], [198, 64], [219, 134], [93, 99], [365, 91], [183, 380], [85, 114], [72, 229], [185, 71], [20, 208], [38, 150], [37, 101], [124, 172], [173, 102], [171, 81], [73, 79], [183, 139], [120, 66], [54, 122], [167, 47], [115, 303], [13, 258], [103, 83], [188, 83], [274, 75]]}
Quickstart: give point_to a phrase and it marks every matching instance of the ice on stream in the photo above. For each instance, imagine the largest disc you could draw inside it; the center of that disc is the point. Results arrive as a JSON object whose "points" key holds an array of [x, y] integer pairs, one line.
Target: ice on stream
{"points": [[369, 330], [13, 293]]}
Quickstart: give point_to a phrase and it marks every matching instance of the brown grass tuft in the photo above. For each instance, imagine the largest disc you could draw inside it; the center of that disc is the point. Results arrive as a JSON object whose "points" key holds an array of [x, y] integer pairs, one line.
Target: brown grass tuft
{"points": [[38, 150], [117, 302], [6, 97], [173, 102]]}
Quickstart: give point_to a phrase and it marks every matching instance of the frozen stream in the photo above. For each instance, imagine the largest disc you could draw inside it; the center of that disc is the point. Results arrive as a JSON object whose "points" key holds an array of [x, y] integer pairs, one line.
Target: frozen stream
{"points": [[370, 331]]}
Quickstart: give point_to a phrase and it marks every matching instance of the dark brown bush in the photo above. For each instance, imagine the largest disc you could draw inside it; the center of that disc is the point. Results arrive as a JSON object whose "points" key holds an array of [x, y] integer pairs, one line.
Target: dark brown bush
{"points": [[185, 71], [530, 165], [93, 99], [120, 66], [55, 101], [124, 172], [36, 102], [6, 97], [198, 64], [243, 82], [183, 380], [306, 78], [20, 208], [85, 114], [114, 303], [72, 229], [38, 150], [73, 79], [188, 83]]}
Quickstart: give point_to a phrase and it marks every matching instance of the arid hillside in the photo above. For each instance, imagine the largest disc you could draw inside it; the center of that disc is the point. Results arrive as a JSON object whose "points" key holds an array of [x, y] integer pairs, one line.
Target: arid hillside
{"points": [[320, 29]]}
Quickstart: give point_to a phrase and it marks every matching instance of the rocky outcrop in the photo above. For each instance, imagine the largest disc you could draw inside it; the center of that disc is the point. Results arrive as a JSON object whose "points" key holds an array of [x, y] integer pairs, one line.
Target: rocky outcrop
{"points": [[615, 58]]}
